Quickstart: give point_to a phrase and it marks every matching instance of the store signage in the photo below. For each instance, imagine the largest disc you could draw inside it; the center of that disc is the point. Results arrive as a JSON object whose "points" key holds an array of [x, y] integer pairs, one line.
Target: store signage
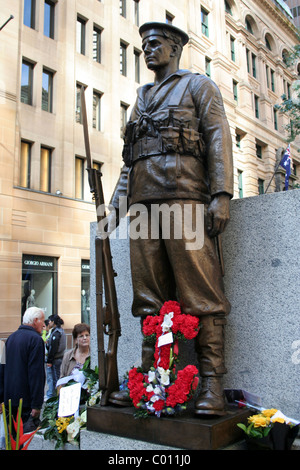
{"points": [[39, 262]]}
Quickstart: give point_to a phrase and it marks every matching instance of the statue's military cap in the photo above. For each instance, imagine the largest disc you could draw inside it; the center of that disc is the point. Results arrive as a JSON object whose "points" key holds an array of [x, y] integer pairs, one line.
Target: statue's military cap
{"points": [[165, 30]]}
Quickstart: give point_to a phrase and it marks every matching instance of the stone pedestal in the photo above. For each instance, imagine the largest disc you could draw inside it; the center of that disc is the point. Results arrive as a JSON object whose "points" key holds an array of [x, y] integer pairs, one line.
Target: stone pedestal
{"points": [[262, 271], [184, 431]]}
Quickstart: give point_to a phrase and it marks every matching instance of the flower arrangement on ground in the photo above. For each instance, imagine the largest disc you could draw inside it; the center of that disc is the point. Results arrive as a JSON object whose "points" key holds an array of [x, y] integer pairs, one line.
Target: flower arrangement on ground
{"points": [[67, 429], [21, 440], [162, 391], [270, 429]]}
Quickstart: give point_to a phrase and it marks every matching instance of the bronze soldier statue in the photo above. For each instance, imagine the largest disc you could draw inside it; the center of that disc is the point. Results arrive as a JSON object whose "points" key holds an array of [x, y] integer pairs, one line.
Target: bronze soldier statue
{"points": [[178, 149]]}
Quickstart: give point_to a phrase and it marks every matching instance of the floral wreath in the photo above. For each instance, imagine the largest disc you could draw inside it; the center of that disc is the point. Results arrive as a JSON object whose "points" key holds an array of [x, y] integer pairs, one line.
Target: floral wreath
{"points": [[161, 391]]}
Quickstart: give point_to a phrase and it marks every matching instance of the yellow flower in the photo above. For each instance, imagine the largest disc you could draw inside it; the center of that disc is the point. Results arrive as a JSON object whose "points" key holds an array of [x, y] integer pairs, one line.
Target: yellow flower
{"points": [[259, 421], [278, 420], [61, 424], [269, 413]]}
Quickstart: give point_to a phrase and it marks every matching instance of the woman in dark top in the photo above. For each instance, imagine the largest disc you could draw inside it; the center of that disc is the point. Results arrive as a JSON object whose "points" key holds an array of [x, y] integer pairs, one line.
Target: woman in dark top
{"points": [[56, 346]]}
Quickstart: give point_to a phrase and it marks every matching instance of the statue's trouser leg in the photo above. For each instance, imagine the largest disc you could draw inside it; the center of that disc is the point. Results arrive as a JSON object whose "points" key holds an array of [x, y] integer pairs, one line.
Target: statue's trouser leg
{"points": [[210, 350]]}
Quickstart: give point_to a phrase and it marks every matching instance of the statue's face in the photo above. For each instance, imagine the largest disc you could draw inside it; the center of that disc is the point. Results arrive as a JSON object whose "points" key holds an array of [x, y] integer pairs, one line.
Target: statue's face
{"points": [[158, 51]]}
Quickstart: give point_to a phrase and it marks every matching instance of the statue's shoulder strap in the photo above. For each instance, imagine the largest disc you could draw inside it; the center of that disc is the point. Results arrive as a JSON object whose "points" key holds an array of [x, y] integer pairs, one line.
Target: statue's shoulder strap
{"points": [[179, 89]]}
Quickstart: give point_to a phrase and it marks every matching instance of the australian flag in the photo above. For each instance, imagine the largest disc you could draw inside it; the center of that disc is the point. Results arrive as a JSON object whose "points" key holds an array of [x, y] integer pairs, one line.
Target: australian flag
{"points": [[286, 163]]}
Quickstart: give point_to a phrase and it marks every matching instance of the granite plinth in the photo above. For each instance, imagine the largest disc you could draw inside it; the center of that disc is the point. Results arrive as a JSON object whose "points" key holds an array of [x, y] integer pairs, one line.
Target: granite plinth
{"points": [[183, 431]]}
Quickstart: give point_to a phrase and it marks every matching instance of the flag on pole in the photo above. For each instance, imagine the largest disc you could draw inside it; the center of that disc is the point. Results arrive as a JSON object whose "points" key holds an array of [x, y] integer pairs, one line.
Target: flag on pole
{"points": [[286, 163]]}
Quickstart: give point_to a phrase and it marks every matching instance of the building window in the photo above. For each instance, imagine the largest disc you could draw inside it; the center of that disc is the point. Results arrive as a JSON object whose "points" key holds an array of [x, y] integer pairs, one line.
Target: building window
{"points": [[80, 35], [232, 48], [248, 60], [39, 283], [204, 22], [27, 82], [97, 44], [261, 186], [123, 58], [207, 67], [267, 75], [137, 56], [227, 8], [268, 45], [78, 113], [272, 80], [259, 151], [136, 12], [29, 13], [248, 26], [275, 114], [253, 57], [79, 178], [123, 118], [45, 170], [294, 169], [240, 183], [25, 164], [256, 106], [47, 90], [97, 165], [169, 18], [49, 19], [235, 90], [97, 110], [122, 4]]}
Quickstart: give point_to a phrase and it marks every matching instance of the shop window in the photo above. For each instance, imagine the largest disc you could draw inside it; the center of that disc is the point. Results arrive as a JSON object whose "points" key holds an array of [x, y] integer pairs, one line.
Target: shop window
{"points": [[85, 291], [39, 283]]}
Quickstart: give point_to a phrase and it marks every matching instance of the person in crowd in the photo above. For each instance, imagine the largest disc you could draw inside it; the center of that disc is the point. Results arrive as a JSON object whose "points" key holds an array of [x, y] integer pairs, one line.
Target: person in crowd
{"points": [[46, 335], [76, 357], [23, 374], [56, 346]]}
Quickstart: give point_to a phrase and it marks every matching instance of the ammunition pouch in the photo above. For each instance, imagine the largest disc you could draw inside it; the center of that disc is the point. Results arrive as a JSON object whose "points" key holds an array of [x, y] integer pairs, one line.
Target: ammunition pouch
{"points": [[168, 140]]}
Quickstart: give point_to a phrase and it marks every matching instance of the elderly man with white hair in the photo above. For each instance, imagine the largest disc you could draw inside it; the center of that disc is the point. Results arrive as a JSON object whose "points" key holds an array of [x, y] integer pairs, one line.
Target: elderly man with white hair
{"points": [[23, 374]]}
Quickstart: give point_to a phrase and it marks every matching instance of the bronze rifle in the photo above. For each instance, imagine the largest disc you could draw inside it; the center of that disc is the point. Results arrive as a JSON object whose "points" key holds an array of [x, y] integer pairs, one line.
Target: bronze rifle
{"points": [[108, 317]]}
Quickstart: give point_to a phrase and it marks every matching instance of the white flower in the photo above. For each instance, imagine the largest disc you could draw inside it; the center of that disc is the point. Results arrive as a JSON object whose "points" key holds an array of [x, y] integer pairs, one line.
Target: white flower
{"points": [[151, 375], [93, 399], [73, 429], [167, 323], [155, 397], [149, 388], [164, 376]]}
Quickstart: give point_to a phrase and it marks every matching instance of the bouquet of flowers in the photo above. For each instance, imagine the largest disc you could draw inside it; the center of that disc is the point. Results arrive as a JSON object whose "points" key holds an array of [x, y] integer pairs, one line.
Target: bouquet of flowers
{"points": [[161, 391], [270, 429], [67, 429]]}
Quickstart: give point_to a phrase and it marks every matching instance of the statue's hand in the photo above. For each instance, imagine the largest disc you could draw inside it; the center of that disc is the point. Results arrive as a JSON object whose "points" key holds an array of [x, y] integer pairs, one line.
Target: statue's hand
{"points": [[218, 214]]}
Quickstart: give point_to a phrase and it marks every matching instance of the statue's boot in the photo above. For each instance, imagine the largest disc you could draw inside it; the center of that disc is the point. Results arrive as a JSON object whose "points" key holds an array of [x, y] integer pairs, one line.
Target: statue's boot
{"points": [[210, 351], [121, 397]]}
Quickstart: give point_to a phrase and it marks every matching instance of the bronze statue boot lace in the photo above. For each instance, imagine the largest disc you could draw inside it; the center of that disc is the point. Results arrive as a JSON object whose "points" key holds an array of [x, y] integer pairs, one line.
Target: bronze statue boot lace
{"points": [[211, 399]]}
